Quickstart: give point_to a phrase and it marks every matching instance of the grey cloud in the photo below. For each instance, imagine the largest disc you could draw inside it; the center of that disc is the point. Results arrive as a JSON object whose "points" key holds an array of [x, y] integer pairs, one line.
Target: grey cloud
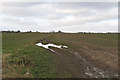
{"points": [[63, 16]]}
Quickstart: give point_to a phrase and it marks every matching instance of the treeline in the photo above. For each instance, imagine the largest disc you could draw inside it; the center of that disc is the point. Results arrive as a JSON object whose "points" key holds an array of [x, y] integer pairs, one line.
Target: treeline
{"points": [[98, 32], [11, 31], [15, 31], [29, 32], [48, 32]]}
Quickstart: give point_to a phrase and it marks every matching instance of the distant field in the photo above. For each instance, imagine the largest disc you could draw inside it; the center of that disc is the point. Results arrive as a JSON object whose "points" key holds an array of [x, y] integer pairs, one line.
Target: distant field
{"points": [[23, 59]]}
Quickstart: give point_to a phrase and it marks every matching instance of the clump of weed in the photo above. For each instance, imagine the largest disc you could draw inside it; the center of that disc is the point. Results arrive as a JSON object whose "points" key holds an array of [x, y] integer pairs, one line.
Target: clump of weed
{"points": [[24, 60], [20, 58]]}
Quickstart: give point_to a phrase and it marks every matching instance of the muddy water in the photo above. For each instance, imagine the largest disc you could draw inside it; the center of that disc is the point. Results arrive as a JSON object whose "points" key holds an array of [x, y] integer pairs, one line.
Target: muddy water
{"points": [[51, 45], [92, 71]]}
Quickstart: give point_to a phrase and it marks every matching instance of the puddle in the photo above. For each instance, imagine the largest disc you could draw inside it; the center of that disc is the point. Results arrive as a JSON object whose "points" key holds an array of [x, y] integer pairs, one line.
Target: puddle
{"points": [[116, 75], [51, 45], [65, 46], [95, 72], [90, 70]]}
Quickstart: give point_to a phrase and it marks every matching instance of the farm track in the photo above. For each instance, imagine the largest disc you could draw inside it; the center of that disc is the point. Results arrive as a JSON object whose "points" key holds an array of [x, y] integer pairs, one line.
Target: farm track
{"points": [[78, 65]]}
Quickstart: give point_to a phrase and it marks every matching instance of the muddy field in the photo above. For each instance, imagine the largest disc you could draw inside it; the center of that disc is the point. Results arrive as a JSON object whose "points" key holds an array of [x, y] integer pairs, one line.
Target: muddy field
{"points": [[69, 55]]}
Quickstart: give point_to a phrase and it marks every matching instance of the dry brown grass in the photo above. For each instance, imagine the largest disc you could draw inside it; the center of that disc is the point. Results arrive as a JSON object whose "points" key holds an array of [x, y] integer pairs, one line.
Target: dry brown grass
{"points": [[9, 71]]}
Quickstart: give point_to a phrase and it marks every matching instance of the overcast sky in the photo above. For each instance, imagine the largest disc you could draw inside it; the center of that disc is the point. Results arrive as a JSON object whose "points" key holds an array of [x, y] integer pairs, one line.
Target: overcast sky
{"points": [[64, 16]]}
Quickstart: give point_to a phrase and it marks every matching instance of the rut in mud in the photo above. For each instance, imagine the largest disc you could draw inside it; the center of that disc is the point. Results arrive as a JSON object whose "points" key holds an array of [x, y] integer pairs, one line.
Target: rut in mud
{"points": [[80, 67], [77, 64]]}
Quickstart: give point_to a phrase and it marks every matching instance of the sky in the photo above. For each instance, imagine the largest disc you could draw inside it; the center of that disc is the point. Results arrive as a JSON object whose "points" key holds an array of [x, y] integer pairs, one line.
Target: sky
{"points": [[64, 16]]}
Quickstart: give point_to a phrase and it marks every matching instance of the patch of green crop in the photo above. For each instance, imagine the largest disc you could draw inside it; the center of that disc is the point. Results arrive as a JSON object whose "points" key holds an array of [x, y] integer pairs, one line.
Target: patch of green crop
{"points": [[28, 60], [39, 61]]}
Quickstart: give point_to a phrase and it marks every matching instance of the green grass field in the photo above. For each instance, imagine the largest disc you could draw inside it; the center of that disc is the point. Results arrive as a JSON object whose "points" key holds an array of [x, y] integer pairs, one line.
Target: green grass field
{"points": [[21, 58]]}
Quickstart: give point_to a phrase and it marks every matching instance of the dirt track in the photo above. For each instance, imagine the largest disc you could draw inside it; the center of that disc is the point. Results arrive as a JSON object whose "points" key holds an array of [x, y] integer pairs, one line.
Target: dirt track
{"points": [[80, 67], [84, 63]]}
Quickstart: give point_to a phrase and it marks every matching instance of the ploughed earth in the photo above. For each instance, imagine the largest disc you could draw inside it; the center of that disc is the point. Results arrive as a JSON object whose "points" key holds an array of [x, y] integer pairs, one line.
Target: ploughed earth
{"points": [[84, 61]]}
